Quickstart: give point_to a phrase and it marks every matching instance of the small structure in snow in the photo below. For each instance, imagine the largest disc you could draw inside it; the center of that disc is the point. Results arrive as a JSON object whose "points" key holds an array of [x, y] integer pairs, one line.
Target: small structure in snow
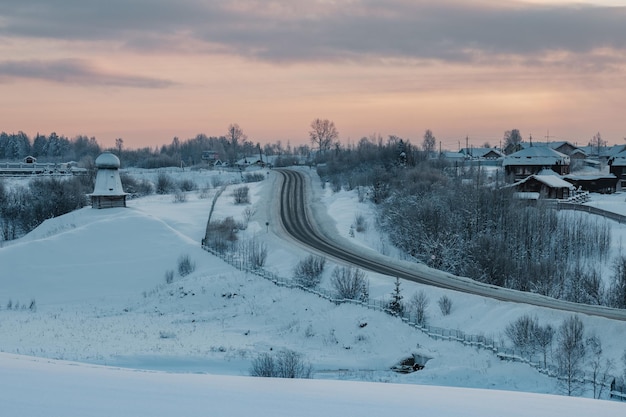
{"points": [[108, 191], [545, 184]]}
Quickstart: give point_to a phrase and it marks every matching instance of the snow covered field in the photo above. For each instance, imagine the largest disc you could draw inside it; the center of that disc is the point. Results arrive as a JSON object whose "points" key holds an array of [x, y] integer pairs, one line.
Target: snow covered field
{"points": [[98, 281]]}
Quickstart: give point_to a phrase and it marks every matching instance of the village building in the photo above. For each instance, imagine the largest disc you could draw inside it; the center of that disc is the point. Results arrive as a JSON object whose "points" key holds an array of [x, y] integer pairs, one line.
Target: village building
{"points": [[108, 191], [617, 167], [534, 159], [544, 185], [601, 183]]}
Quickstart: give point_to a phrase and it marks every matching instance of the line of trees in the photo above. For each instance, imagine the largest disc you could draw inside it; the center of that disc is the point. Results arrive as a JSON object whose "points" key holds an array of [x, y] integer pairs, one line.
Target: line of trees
{"points": [[231, 146], [23, 208]]}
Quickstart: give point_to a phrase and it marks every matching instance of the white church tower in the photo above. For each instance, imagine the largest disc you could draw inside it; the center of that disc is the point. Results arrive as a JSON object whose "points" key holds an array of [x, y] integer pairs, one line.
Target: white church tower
{"points": [[108, 191]]}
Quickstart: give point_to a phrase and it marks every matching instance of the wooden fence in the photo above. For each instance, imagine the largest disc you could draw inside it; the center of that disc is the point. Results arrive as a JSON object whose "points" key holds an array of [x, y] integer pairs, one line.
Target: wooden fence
{"points": [[488, 343]]}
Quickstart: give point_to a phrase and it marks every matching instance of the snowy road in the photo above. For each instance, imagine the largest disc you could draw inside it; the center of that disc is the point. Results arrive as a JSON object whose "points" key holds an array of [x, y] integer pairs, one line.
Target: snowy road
{"points": [[300, 221]]}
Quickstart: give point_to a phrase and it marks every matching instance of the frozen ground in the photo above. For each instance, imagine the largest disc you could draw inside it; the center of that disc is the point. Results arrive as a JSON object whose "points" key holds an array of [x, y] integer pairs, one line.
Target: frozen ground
{"points": [[98, 281]]}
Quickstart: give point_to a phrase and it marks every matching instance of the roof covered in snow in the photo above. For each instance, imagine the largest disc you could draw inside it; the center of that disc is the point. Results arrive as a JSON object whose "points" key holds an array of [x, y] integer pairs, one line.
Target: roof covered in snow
{"points": [[107, 160], [108, 182], [552, 181], [537, 155]]}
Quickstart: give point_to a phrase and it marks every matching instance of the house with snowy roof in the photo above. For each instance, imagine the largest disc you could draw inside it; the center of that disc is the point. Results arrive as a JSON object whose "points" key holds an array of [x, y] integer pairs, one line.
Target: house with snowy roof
{"points": [[482, 153], [617, 167], [544, 185], [108, 191], [532, 160]]}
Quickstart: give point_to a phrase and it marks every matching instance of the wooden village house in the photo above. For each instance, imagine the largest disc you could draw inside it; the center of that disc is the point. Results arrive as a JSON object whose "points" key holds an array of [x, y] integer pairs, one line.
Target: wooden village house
{"points": [[533, 160]]}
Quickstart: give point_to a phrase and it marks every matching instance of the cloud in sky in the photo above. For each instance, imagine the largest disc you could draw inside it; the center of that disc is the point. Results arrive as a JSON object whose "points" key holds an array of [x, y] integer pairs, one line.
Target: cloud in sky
{"points": [[73, 71], [295, 31]]}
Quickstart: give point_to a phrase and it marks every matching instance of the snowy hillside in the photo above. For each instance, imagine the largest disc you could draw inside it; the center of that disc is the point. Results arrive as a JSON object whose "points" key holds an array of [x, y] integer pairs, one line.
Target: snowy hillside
{"points": [[97, 279]]}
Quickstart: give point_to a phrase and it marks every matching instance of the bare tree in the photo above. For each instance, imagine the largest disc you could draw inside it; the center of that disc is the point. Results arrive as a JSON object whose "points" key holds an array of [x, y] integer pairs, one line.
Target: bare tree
{"points": [[308, 272], [322, 134], [418, 305], [429, 142], [234, 136], [599, 369], [350, 283], [544, 336], [512, 140], [445, 305], [522, 334], [570, 354]]}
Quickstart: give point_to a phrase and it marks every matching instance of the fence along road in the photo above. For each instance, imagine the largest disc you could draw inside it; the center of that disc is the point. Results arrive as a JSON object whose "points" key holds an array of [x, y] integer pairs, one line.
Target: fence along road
{"points": [[296, 218]]}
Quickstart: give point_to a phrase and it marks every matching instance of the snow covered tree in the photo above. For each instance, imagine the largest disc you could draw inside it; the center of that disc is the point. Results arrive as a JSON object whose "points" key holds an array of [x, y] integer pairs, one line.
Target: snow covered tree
{"points": [[350, 283], [308, 271], [418, 305], [429, 142], [570, 354], [395, 305]]}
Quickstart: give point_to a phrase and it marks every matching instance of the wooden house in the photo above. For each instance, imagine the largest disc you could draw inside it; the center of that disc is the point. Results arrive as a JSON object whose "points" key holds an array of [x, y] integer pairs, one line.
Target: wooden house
{"points": [[603, 184], [544, 186], [533, 160]]}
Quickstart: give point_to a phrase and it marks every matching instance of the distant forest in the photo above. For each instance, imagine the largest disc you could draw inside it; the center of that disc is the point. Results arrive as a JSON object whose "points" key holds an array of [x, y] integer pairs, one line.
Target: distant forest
{"points": [[84, 150]]}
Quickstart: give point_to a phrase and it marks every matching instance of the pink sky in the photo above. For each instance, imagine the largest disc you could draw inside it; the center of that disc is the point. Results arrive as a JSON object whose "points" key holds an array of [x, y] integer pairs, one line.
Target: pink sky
{"points": [[149, 70]]}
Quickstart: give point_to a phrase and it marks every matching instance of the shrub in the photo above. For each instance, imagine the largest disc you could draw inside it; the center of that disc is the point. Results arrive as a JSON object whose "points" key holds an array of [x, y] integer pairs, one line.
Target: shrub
{"points": [[418, 304], [205, 192], [169, 276], [185, 265], [284, 364], [522, 333], [222, 235], [135, 187], [187, 184], [253, 177], [308, 271], [359, 223], [180, 197], [350, 283], [445, 305], [164, 184], [241, 195], [255, 253], [217, 182]]}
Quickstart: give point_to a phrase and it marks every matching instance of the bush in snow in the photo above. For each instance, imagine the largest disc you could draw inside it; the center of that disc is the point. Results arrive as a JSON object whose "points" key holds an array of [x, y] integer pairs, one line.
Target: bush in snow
{"points": [[180, 197], [169, 276], [254, 252], [350, 283], [241, 195], [284, 364], [254, 177], [186, 184], [522, 333], [308, 271], [222, 235], [418, 305], [164, 184], [445, 305], [359, 223], [185, 265], [135, 187]]}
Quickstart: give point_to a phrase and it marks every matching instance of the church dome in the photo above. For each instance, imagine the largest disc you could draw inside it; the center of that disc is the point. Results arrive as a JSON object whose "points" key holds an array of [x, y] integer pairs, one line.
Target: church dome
{"points": [[107, 160]]}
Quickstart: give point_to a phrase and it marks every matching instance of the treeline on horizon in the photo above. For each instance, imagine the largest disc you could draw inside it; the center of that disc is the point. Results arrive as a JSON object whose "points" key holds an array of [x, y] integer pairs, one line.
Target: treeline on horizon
{"points": [[84, 150]]}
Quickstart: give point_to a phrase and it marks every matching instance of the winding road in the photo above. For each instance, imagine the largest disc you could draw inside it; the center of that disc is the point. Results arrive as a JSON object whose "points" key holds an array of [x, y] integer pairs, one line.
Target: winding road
{"points": [[298, 220]]}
